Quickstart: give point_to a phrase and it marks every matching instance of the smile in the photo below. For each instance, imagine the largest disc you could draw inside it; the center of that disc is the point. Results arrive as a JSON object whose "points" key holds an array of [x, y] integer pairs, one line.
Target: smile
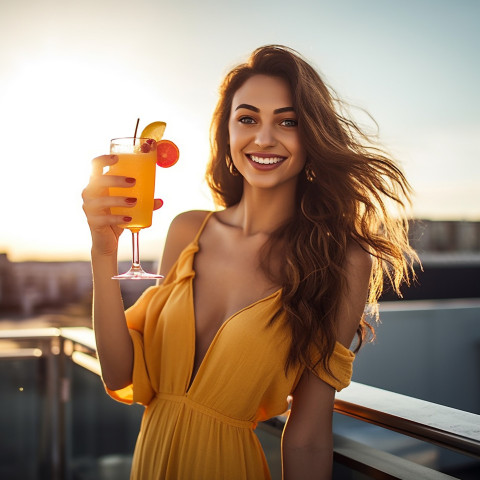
{"points": [[266, 160]]}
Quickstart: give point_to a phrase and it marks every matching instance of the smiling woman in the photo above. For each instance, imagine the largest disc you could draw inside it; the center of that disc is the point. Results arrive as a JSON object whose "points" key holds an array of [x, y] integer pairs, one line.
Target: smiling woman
{"points": [[264, 136], [261, 298]]}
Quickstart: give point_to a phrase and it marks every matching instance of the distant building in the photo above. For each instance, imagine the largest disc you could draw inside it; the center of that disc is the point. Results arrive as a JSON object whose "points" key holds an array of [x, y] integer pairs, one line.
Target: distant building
{"points": [[450, 256], [25, 286], [449, 251], [29, 287], [445, 236]]}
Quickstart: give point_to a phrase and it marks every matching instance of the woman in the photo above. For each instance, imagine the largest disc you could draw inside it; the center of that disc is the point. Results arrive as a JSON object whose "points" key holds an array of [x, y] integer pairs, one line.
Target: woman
{"points": [[263, 298]]}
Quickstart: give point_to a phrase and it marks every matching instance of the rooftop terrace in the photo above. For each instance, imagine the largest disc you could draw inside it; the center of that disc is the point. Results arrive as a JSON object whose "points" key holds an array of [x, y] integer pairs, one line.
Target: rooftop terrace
{"points": [[62, 425]]}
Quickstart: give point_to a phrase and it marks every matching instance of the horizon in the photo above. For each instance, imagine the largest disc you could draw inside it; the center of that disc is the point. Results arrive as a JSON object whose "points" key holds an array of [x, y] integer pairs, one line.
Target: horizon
{"points": [[444, 246], [75, 76]]}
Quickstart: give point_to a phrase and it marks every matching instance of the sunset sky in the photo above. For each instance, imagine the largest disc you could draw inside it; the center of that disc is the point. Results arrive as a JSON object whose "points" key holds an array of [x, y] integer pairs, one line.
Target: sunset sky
{"points": [[75, 74]]}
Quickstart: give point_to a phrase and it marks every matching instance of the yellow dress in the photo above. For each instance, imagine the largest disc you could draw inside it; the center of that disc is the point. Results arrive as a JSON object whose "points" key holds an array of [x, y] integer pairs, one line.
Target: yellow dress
{"points": [[203, 429]]}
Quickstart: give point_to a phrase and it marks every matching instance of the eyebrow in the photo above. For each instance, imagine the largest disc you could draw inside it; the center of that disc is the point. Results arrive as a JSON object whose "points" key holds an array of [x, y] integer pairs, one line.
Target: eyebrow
{"points": [[257, 110]]}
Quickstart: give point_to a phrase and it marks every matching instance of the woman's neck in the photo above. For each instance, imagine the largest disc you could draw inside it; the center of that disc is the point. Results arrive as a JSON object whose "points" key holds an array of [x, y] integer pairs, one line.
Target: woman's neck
{"points": [[263, 210]]}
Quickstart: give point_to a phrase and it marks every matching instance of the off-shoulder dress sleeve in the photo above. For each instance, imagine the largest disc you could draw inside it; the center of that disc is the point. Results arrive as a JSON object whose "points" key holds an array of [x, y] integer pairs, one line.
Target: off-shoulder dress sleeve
{"points": [[143, 392], [341, 367]]}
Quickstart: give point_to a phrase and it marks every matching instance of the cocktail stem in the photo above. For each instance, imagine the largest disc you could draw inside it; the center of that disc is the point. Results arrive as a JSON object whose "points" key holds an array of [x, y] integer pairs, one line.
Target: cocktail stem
{"points": [[135, 249]]}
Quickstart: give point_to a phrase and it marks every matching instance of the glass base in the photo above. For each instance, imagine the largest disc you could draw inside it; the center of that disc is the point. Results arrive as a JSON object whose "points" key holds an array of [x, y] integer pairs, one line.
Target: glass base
{"points": [[136, 272]]}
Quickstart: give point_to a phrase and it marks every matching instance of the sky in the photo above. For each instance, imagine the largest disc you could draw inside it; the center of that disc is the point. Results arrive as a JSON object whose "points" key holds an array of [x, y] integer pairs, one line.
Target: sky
{"points": [[75, 74]]}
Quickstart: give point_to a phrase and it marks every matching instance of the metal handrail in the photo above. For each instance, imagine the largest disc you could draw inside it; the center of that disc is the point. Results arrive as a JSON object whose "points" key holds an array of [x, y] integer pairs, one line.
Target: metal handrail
{"points": [[444, 426], [433, 423]]}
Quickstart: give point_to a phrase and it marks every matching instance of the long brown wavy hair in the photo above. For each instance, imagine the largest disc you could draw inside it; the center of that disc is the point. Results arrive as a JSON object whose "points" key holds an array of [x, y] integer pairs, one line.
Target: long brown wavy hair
{"points": [[351, 190]]}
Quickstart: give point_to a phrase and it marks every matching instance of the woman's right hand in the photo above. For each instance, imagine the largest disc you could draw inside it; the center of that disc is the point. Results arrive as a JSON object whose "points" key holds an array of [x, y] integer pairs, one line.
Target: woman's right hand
{"points": [[97, 203]]}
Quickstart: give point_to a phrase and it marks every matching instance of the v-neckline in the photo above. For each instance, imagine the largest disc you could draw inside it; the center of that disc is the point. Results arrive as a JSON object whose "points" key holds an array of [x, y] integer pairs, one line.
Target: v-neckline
{"points": [[194, 375], [196, 244]]}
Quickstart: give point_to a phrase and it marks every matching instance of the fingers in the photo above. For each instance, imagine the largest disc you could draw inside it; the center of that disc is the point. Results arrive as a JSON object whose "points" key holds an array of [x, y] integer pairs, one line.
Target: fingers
{"points": [[100, 182], [99, 222], [99, 163], [97, 203], [98, 185], [96, 199], [99, 215], [100, 179], [102, 205]]}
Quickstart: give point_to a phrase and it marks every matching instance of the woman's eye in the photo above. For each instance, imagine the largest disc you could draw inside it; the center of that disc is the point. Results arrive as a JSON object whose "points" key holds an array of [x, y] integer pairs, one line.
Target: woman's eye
{"points": [[246, 120], [289, 122]]}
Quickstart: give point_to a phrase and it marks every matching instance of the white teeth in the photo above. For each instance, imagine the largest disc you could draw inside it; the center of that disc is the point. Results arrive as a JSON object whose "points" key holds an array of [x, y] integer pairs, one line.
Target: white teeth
{"points": [[266, 161]]}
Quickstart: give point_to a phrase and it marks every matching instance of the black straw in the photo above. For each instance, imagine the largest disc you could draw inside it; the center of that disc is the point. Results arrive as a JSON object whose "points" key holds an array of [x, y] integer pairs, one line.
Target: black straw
{"points": [[136, 128]]}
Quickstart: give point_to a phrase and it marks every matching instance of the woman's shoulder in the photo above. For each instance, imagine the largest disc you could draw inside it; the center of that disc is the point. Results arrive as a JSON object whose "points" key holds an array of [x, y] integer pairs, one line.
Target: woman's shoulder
{"points": [[183, 230], [358, 257], [189, 221], [185, 227]]}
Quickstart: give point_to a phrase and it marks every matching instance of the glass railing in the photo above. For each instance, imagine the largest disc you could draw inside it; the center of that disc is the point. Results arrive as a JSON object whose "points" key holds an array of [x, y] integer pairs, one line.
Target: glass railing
{"points": [[58, 423], [56, 420]]}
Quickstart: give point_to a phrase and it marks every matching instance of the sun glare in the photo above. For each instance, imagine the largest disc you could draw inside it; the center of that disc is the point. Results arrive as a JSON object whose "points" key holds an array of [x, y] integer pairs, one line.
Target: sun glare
{"points": [[61, 113]]}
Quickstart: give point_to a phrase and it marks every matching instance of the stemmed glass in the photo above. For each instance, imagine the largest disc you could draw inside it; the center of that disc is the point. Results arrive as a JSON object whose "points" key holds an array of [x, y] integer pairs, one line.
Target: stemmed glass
{"points": [[136, 159]]}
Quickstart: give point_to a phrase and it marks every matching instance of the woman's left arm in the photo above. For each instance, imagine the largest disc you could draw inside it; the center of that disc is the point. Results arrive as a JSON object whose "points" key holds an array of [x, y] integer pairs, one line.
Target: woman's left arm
{"points": [[307, 441]]}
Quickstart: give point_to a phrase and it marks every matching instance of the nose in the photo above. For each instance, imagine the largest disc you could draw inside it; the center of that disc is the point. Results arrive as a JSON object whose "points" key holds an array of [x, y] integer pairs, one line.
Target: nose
{"points": [[265, 136]]}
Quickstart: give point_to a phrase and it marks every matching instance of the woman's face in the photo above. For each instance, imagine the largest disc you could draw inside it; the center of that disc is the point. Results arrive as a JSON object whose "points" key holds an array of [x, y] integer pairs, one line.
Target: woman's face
{"points": [[263, 130]]}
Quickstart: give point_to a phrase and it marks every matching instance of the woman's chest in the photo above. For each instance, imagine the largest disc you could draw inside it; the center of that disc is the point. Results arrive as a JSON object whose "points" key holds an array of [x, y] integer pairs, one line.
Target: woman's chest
{"points": [[228, 278]]}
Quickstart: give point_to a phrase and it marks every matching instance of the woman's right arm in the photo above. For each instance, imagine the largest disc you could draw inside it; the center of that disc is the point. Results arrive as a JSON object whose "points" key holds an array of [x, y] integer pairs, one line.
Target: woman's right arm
{"points": [[114, 346]]}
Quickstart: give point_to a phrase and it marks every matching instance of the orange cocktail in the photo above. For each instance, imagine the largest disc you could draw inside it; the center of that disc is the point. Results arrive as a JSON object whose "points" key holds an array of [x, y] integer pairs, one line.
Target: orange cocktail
{"points": [[138, 158], [137, 161]]}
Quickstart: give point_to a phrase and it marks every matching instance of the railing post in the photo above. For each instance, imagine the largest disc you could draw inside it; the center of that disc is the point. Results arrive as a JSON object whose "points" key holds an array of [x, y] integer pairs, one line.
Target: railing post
{"points": [[54, 441]]}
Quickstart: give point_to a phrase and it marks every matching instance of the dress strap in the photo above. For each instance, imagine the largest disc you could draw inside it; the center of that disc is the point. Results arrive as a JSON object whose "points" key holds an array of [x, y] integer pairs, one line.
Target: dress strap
{"points": [[202, 226]]}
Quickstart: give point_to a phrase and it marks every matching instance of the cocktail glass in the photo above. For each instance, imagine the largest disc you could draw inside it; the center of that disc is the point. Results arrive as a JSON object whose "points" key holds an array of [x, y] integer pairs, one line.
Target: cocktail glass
{"points": [[137, 159]]}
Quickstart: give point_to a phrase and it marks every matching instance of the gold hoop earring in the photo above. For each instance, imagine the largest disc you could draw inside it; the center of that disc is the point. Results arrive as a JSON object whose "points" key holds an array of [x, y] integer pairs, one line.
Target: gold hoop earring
{"points": [[309, 173], [231, 166]]}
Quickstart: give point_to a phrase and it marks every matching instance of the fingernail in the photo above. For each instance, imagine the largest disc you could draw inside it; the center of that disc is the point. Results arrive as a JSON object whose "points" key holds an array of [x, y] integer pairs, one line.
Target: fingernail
{"points": [[130, 180], [113, 157], [130, 200], [127, 219]]}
